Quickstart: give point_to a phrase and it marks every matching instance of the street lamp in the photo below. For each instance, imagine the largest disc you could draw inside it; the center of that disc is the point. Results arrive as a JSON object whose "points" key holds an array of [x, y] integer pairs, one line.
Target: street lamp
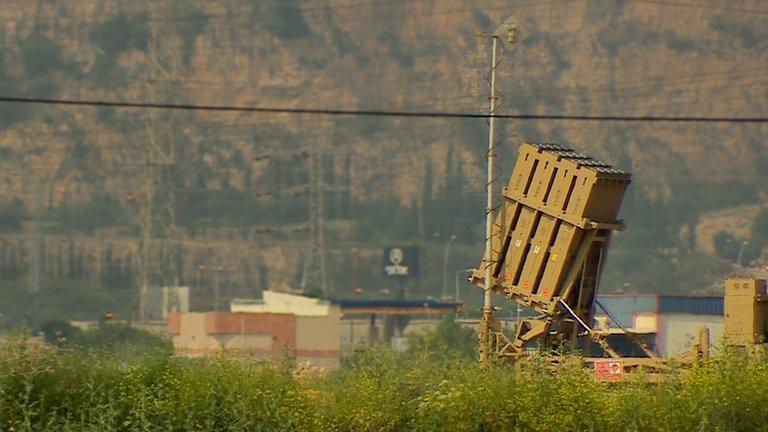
{"points": [[508, 31], [741, 250], [445, 265], [355, 258], [738, 261], [456, 280]]}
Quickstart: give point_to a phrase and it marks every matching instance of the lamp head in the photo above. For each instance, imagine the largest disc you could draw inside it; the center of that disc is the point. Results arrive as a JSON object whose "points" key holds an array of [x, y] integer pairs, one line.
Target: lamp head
{"points": [[508, 31], [512, 31]]}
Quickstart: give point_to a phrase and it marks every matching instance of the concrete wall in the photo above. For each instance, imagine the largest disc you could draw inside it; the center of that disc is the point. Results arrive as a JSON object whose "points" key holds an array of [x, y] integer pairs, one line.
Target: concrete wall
{"points": [[212, 332], [318, 339], [245, 343], [269, 335], [678, 332], [190, 337], [645, 322], [319, 336]]}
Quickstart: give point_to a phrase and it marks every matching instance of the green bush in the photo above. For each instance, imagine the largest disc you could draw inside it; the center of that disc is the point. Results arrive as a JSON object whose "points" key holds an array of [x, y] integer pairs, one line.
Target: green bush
{"points": [[448, 340], [57, 332], [119, 340], [48, 388], [370, 394]]}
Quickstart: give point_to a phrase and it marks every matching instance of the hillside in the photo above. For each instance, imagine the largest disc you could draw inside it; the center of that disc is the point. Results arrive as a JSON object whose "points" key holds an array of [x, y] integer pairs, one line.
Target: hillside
{"points": [[388, 180]]}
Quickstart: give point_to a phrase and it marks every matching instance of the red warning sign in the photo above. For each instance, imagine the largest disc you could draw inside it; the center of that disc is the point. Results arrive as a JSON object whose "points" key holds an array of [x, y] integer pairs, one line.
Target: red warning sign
{"points": [[609, 370]]}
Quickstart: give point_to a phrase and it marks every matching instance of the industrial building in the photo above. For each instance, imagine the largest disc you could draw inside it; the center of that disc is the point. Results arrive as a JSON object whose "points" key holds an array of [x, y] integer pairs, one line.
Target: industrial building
{"points": [[317, 330], [672, 322], [310, 329], [274, 326]]}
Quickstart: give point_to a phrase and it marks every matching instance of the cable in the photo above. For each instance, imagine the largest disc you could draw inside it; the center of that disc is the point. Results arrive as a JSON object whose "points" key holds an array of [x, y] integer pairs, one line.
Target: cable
{"points": [[375, 113]]}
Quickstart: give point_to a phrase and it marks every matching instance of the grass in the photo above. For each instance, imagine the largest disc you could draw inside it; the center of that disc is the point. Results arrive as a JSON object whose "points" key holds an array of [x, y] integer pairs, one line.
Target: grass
{"points": [[49, 388]]}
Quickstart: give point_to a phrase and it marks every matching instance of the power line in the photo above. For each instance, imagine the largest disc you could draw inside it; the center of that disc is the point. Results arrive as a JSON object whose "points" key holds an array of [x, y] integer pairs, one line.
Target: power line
{"points": [[564, 90], [376, 113]]}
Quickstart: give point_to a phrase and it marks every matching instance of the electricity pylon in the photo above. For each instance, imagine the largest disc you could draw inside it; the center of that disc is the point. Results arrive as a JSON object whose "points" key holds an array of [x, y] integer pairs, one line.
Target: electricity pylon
{"points": [[314, 277], [159, 245]]}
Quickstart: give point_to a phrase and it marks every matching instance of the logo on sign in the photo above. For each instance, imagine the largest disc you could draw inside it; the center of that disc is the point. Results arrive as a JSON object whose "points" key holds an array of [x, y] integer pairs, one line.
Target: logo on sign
{"points": [[401, 261], [395, 268]]}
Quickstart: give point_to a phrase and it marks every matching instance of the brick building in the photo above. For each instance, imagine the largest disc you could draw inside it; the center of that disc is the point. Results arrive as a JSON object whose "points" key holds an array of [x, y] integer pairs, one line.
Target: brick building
{"points": [[280, 324]]}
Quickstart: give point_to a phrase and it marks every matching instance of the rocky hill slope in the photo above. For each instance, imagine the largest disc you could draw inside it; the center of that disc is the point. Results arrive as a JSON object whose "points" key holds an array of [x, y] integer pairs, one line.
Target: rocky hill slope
{"points": [[573, 57]]}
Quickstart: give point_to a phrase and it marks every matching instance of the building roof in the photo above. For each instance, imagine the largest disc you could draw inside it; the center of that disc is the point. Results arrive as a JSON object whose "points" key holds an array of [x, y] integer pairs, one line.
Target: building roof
{"points": [[397, 306], [660, 303], [693, 305], [280, 302], [627, 307]]}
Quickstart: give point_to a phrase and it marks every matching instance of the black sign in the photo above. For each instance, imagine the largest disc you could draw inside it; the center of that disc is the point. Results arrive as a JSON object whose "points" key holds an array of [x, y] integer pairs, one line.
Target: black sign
{"points": [[401, 261]]}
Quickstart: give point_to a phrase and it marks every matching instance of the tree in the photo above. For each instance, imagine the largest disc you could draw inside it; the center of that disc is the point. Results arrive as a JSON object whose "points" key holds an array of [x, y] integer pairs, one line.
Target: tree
{"points": [[12, 214], [449, 340], [727, 246]]}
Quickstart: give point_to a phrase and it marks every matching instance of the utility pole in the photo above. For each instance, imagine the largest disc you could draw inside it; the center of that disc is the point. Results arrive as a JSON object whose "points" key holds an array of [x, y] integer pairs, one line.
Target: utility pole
{"points": [[217, 287], [445, 267], [509, 31], [157, 216]]}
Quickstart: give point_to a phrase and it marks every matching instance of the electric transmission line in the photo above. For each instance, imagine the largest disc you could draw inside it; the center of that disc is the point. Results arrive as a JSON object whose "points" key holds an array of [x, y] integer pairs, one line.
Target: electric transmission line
{"points": [[382, 113]]}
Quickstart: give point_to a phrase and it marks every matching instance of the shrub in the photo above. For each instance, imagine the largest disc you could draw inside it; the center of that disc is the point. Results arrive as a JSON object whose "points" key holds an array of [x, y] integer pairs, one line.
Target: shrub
{"points": [[47, 388], [448, 340]]}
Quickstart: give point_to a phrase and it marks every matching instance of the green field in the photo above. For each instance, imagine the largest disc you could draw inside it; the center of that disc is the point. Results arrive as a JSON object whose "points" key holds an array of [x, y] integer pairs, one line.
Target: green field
{"points": [[431, 387]]}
